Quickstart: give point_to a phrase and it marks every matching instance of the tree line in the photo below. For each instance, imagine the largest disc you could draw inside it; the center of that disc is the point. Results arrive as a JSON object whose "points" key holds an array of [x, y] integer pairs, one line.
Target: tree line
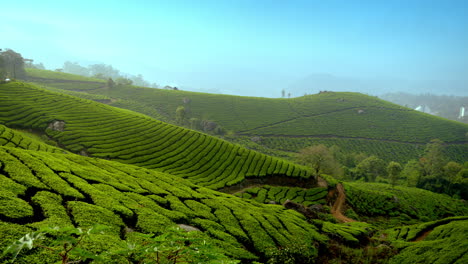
{"points": [[106, 72], [432, 171]]}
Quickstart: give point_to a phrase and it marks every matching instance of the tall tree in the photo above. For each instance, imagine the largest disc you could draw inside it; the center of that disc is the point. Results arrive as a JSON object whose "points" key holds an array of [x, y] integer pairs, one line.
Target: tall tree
{"points": [[13, 64], [370, 168], [320, 160], [432, 164], [412, 173], [180, 114], [393, 170]]}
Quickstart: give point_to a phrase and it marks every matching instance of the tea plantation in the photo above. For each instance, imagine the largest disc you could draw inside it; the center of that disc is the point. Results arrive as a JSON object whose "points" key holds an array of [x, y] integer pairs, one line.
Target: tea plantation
{"points": [[98, 130], [141, 177], [342, 119], [43, 189]]}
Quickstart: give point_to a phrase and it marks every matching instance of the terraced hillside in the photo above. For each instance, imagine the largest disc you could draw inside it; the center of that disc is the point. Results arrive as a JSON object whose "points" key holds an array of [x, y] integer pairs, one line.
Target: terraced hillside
{"points": [[332, 118], [98, 130], [442, 241], [18, 139], [40, 189]]}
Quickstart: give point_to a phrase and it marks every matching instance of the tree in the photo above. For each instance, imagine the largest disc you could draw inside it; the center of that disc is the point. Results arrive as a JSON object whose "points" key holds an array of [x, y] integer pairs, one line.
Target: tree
{"points": [[110, 83], [139, 81], [75, 68], [432, 163], [123, 81], [370, 168], [393, 170], [321, 160], [13, 64], [180, 115], [283, 93], [3, 71], [451, 170], [412, 173], [105, 70]]}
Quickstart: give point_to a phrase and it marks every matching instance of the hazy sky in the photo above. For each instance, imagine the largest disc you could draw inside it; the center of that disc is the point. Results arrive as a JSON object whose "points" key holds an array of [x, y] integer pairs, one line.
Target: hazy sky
{"points": [[254, 47]]}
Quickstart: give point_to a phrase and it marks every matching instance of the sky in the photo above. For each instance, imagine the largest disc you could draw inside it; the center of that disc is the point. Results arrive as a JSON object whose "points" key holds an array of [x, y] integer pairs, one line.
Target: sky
{"points": [[253, 48]]}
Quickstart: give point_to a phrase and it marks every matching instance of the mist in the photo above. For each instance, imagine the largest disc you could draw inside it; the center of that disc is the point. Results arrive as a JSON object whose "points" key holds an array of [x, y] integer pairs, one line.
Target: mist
{"points": [[254, 48]]}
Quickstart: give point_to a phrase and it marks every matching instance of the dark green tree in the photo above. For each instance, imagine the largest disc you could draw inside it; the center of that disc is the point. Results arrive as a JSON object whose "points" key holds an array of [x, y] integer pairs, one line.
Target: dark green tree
{"points": [[370, 168], [13, 64], [180, 115], [432, 165], [412, 173], [321, 160], [110, 83], [393, 170]]}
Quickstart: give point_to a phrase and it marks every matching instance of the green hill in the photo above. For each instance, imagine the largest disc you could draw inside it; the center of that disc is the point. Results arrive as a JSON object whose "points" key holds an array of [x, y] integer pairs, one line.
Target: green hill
{"points": [[41, 189], [24, 140], [98, 130], [141, 188], [330, 118]]}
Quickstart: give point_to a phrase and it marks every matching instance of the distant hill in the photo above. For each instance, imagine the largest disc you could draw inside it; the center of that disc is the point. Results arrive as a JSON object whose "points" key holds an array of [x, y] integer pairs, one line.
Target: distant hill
{"points": [[353, 121], [315, 83], [98, 130]]}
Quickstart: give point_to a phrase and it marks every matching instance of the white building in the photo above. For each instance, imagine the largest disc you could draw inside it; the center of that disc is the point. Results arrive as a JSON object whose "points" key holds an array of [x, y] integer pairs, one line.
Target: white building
{"points": [[462, 113]]}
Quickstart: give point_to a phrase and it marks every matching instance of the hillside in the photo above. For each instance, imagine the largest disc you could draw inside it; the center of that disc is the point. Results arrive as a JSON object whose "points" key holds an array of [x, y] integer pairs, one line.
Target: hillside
{"points": [[331, 118], [41, 189], [98, 130], [144, 176], [61, 190]]}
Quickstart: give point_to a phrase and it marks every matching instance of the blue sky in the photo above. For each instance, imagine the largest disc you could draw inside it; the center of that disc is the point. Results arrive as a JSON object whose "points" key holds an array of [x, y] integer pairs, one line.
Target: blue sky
{"points": [[249, 47]]}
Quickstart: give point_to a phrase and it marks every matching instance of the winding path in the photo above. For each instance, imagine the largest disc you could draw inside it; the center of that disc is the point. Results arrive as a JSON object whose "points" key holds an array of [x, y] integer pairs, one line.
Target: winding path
{"points": [[338, 205]]}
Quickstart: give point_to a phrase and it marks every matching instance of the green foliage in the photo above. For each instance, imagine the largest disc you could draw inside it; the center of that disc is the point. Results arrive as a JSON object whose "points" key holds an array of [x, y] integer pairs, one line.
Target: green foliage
{"points": [[18, 139], [320, 160], [65, 245], [351, 233], [370, 168], [393, 171], [444, 241], [14, 207], [377, 199], [279, 195], [130, 199], [69, 245], [180, 115]]}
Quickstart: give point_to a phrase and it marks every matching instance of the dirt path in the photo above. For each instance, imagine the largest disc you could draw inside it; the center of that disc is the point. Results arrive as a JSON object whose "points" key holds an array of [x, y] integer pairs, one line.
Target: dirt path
{"points": [[338, 205], [423, 235]]}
